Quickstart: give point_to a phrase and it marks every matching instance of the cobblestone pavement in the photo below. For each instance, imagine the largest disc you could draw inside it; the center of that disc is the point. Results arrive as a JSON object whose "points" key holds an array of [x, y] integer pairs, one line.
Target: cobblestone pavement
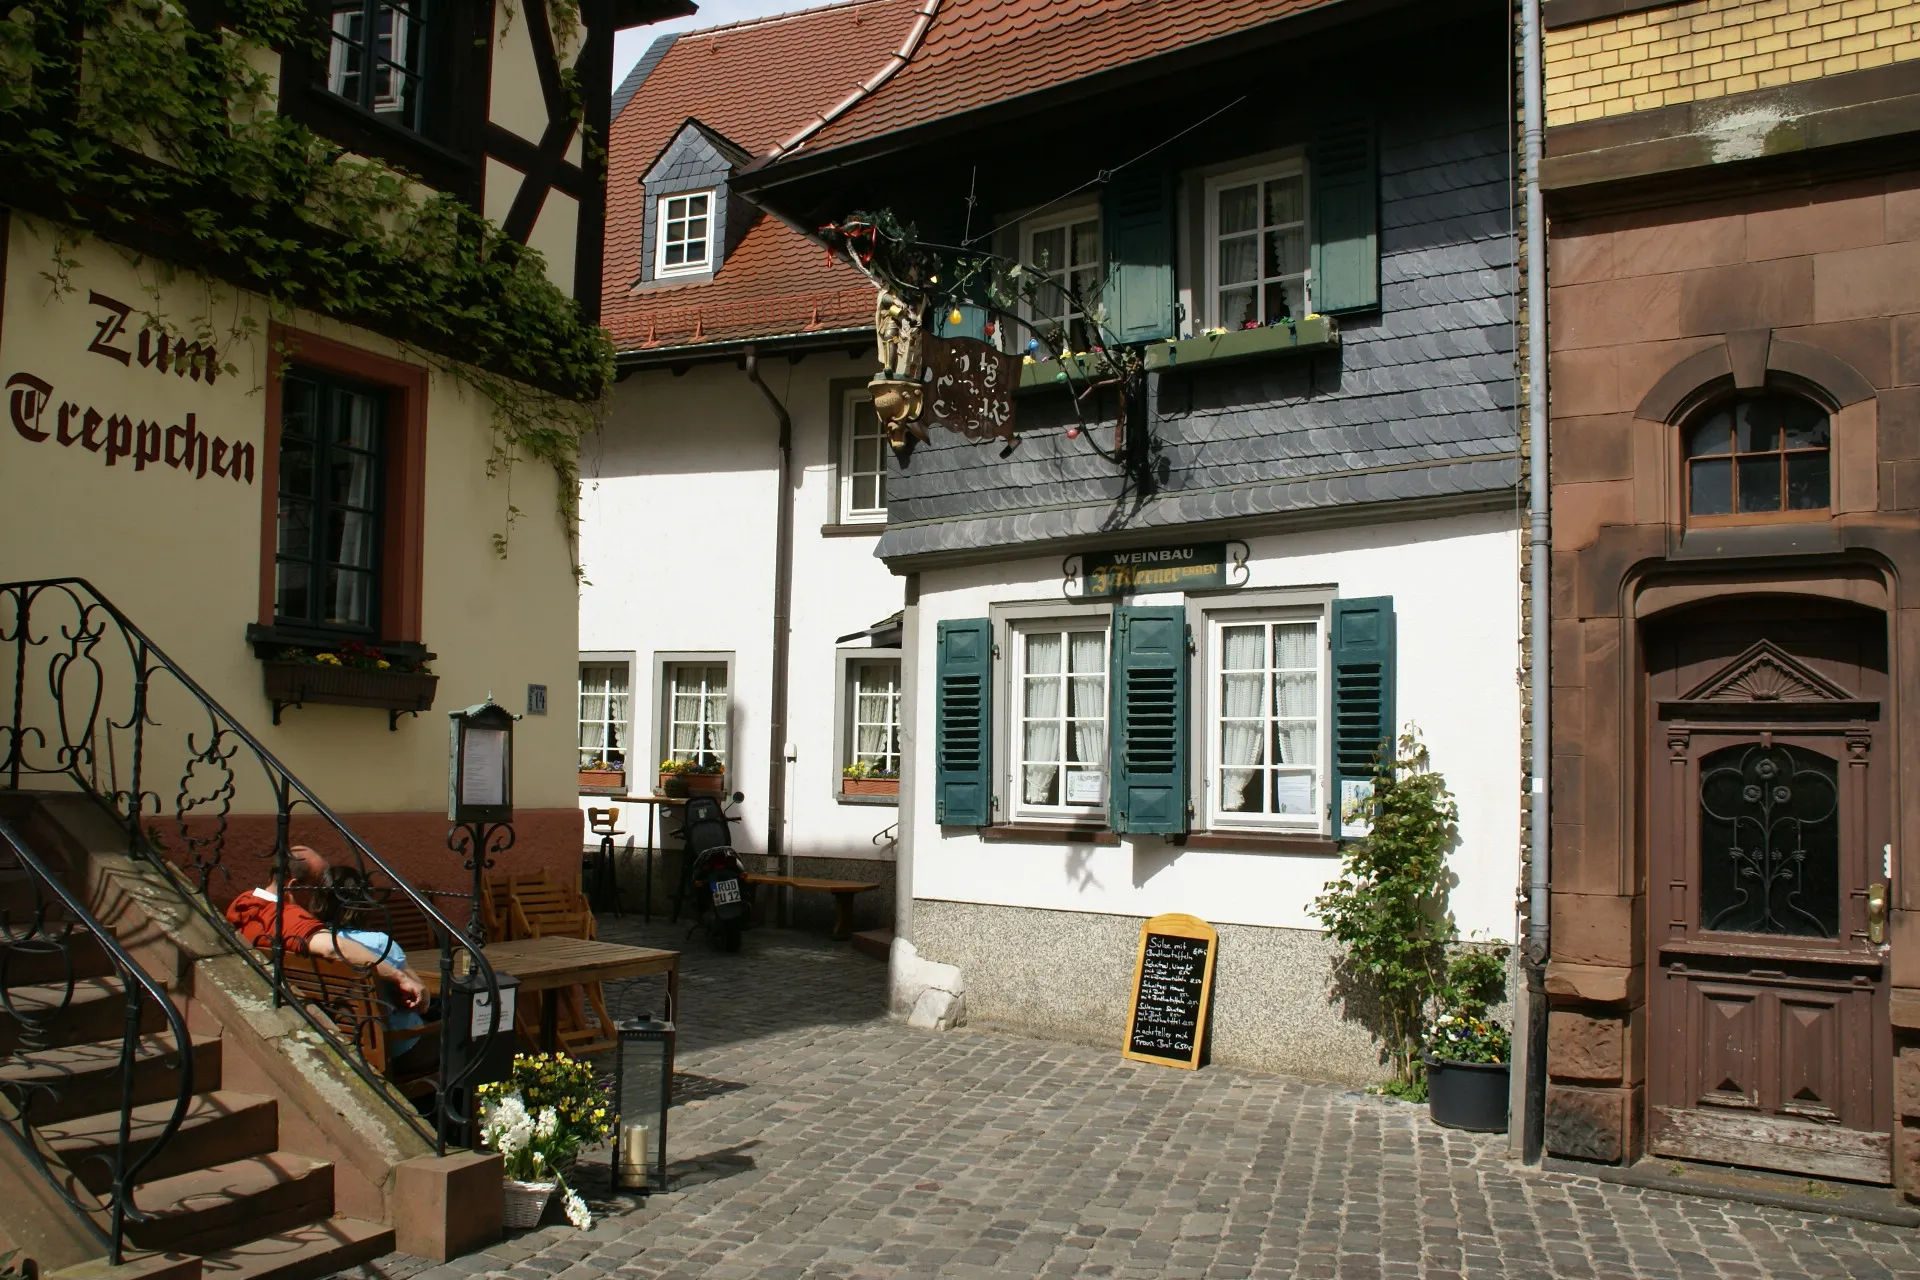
{"points": [[820, 1139]]}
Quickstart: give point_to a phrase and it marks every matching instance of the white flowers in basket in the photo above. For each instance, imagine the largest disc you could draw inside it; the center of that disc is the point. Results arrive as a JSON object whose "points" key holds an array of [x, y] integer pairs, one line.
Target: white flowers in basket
{"points": [[532, 1148]]}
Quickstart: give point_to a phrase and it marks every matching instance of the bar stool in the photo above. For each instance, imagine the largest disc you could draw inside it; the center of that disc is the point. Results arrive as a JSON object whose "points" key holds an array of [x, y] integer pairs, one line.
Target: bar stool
{"points": [[605, 823]]}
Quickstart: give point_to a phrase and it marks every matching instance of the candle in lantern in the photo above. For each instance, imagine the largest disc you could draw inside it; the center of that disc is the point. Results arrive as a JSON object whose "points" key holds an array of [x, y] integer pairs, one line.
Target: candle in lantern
{"points": [[635, 1144]]}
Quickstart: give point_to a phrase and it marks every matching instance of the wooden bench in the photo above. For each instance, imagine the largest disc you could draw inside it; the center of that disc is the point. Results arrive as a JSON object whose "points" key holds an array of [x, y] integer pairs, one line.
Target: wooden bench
{"points": [[353, 1000], [842, 891]]}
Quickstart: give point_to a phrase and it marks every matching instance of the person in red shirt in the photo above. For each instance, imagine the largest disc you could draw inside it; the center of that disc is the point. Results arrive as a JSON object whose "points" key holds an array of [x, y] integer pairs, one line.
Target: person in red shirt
{"points": [[252, 915]]}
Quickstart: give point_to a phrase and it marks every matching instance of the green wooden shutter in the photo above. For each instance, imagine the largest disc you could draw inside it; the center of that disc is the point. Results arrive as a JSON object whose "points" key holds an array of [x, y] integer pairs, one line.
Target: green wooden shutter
{"points": [[963, 708], [1345, 178], [1136, 217], [1363, 715], [1148, 702]]}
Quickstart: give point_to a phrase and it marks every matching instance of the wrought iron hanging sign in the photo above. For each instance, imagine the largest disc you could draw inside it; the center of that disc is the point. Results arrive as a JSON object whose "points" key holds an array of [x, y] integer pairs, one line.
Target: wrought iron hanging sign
{"points": [[969, 387]]}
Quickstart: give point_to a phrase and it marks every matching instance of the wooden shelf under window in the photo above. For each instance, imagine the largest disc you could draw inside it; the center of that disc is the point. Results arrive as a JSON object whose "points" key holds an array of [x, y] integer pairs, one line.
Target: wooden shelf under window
{"points": [[1261, 842], [1047, 833]]}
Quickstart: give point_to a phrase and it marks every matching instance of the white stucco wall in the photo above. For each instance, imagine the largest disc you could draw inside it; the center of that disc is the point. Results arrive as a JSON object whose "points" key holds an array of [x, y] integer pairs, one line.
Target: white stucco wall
{"points": [[678, 508], [1454, 587]]}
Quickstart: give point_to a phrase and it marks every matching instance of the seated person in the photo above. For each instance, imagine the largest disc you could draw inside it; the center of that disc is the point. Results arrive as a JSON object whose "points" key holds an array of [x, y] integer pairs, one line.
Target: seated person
{"points": [[252, 917], [343, 894]]}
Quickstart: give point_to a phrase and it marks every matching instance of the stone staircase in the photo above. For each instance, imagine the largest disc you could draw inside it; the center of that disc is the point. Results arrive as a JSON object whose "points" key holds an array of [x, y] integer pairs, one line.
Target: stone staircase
{"points": [[245, 1187]]}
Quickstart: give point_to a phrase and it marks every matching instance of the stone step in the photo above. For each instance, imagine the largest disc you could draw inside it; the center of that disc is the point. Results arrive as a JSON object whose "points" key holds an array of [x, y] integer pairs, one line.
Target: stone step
{"points": [[303, 1253], [34, 961], [227, 1205], [93, 1010], [82, 1079], [219, 1127], [877, 943]]}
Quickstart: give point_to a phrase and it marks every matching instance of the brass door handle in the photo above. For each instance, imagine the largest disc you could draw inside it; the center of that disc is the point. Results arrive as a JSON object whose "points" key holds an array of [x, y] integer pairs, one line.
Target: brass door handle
{"points": [[1876, 913]]}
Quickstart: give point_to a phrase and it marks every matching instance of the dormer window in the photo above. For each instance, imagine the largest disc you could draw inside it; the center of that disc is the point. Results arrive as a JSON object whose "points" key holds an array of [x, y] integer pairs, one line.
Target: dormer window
{"points": [[377, 58], [685, 233], [1759, 456]]}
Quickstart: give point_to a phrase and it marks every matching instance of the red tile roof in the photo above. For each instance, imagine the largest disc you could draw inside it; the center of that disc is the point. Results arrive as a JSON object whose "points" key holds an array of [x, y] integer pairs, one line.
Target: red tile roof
{"points": [[978, 52], [755, 83]]}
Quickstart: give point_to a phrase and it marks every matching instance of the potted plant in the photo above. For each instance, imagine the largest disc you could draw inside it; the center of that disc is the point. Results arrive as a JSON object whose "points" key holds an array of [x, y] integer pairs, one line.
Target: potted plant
{"points": [[538, 1119], [704, 776], [1467, 1065], [353, 674], [606, 773], [1400, 953], [863, 779]]}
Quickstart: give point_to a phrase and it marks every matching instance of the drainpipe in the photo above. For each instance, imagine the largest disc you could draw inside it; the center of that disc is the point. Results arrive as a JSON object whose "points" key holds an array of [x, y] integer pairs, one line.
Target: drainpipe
{"points": [[777, 748], [1539, 631]]}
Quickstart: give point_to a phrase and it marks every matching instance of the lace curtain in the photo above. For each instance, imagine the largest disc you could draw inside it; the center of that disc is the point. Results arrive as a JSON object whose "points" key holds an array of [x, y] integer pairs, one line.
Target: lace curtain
{"points": [[876, 717], [1242, 686], [1087, 699], [1041, 711]]}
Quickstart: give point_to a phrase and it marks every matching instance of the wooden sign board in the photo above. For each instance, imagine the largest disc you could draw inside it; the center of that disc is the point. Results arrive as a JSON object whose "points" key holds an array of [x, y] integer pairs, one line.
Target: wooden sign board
{"points": [[1172, 982]]}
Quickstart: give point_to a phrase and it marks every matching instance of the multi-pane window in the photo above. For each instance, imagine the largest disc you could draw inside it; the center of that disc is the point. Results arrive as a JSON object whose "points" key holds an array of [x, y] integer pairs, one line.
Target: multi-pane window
{"points": [[1060, 735], [1266, 754], [604, 710], [376, 57], [327, 554], [697, 712], [863, 463], [1259, 228], [1759, 455], [1067, 253], [874, 686], [684, 232]]}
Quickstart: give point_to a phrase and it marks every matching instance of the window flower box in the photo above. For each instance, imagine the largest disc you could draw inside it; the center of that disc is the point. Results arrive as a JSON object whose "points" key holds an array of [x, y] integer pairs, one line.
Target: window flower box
{"points": [[603, 779], [870, 786], [1076, 371], [1225, 346], [687, 778], [295, 683]]}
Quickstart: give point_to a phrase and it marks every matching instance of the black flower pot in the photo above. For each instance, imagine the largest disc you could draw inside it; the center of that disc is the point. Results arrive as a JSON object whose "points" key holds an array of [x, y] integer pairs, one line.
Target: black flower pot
{"points": [[1468, 1095]]}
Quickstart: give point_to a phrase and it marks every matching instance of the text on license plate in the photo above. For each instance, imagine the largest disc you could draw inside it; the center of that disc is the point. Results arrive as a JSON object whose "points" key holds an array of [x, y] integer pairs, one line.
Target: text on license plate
{"points": [[726, 892]]}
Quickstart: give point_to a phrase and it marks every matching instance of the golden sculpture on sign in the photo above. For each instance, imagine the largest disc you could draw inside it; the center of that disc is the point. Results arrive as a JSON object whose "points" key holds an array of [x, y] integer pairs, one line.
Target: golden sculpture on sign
{"points": [[897, 390]]}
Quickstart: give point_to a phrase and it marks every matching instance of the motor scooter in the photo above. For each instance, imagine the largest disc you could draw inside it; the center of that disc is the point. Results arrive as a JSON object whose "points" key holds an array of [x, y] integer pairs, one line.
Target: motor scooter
{"points": [[715, 877]]}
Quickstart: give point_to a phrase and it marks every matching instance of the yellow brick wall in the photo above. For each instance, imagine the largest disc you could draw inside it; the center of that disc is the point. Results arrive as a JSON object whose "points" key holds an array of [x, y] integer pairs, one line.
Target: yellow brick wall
{"points": [[1711, 48]]}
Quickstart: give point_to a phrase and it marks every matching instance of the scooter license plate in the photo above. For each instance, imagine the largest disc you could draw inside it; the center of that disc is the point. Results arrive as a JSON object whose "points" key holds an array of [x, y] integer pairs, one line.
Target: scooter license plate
{"points": [[726, 892]]}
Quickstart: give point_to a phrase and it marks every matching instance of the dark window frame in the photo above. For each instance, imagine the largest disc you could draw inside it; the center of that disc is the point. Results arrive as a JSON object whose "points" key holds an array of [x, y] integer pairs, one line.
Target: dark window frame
{"points": [[1691, 460], [445, 149], [316, 559]]}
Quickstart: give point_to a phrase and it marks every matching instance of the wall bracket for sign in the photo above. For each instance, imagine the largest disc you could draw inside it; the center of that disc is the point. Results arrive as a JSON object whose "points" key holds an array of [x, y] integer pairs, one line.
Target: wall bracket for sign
{"points": [[1194, 566], [1172, 985]]}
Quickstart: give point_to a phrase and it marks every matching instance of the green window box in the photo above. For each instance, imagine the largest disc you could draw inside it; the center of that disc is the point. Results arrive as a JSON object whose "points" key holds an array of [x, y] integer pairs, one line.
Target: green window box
{"points": [[1315, 333]]}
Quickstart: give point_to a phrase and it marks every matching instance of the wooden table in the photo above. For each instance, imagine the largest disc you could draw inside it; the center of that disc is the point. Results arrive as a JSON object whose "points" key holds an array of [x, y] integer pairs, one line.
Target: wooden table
{"points": [[547, 964]]}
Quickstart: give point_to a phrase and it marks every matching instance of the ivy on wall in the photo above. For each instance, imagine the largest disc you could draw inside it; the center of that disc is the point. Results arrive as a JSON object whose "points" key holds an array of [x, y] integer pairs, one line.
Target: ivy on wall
{"points": [[119, 116]]}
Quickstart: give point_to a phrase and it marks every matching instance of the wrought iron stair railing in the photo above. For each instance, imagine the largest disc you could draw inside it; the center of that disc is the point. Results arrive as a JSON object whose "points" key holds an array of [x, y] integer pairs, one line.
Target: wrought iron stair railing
{"points": [[94, 704], [56, 919]]}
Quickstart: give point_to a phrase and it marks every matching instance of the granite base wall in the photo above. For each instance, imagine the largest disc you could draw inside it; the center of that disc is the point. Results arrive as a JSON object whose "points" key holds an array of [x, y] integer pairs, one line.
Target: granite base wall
{"points": [[1065, 975]]}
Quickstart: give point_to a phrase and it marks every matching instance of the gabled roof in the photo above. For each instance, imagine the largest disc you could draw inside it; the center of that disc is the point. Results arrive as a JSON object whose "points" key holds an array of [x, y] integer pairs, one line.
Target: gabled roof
{"points": [[978, 52], [752, 84]]}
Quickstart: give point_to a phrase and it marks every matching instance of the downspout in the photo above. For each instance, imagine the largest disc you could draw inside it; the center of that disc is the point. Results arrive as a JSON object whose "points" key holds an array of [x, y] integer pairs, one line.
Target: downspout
{"points": [[896, 60], [1540, 553], [782, 628]]}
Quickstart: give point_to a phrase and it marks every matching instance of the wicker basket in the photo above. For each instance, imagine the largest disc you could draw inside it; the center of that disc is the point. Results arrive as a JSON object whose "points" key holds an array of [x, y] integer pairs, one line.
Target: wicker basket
{"points": [[523, 1203]]}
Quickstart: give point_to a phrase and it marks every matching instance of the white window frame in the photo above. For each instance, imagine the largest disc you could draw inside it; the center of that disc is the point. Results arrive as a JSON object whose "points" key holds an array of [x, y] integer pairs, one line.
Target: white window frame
{"points": [[1065, 219], [851, 401], [665, 665], [1017, 676], [845, 728], [663, 220], [1207, 616], [1290, 167], [623, 724]]}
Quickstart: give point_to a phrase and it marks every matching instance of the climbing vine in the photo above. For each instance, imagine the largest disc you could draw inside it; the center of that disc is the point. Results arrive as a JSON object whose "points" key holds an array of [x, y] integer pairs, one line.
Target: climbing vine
{"points": [[127, 114]]}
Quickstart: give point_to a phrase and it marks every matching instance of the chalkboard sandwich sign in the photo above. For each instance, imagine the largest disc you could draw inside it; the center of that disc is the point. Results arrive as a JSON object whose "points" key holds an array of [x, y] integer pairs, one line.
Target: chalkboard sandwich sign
{"points": [[1172, 982]]}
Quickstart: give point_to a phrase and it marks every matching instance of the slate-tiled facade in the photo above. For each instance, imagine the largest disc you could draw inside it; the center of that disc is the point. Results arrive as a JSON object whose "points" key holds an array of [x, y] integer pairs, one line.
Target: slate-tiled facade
{"points": [[1417, 401]]}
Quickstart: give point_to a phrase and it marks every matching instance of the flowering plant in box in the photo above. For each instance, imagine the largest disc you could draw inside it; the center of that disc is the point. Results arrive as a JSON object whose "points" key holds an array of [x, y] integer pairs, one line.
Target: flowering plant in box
{"points": [[867, 769], [1461, 1037], [359, 655], [704, 765]]}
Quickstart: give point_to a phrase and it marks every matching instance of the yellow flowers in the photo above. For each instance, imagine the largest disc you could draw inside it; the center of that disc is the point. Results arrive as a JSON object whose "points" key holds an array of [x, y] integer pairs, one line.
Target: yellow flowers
{"points": [[383, 664], [331, 659]]}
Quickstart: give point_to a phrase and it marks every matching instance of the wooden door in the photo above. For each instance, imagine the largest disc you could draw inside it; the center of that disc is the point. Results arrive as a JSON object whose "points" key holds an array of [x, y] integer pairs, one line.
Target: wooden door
{"points": [[1768, 827]]}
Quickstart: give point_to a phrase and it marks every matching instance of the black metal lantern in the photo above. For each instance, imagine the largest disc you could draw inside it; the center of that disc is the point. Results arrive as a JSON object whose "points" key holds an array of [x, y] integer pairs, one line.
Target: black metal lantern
{"points": [[480, 794], [643, 1088], [480, 763]]}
